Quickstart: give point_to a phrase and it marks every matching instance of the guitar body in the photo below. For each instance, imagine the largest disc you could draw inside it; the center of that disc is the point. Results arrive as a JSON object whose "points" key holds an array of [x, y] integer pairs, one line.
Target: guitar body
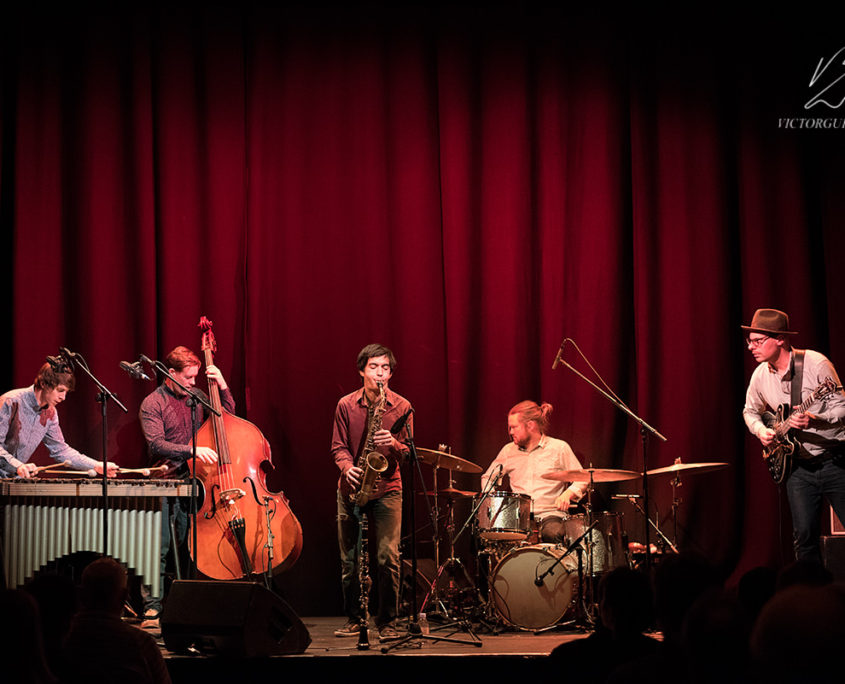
{"points": [[779, 455]]}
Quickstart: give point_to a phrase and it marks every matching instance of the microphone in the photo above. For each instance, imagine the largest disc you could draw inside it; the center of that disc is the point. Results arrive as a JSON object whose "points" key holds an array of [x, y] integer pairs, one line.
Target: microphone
{"points": [[67, 353], [538, 579], [499, 476], [135, 370], [58, 364], [61, 363], [559, 354], [400, 422]]}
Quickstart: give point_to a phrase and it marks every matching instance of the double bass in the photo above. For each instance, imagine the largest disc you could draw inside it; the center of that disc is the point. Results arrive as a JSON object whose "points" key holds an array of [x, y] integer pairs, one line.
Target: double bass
{"points": [[242, 528]]}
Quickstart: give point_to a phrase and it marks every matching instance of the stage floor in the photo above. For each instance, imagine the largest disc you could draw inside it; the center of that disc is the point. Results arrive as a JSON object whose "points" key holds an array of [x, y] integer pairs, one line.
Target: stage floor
{"points": [[517, 651]]}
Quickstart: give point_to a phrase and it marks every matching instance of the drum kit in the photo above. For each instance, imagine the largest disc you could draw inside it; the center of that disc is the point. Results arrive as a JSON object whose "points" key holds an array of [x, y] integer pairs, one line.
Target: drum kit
{"points": [[521, 582]]}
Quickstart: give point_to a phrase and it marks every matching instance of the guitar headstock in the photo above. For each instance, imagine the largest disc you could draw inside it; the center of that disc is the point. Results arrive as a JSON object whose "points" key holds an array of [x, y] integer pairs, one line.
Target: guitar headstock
{"points": [[208, 341], [828, 386]]}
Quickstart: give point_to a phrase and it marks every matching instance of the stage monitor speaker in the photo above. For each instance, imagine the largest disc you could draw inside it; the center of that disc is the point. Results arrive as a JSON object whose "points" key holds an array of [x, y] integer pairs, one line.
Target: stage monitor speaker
{"points": [[240, 619], [833, 555]]}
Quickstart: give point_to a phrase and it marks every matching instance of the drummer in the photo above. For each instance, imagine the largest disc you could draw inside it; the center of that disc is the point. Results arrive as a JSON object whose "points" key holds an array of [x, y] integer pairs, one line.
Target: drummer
{"points": [[524, 460]]}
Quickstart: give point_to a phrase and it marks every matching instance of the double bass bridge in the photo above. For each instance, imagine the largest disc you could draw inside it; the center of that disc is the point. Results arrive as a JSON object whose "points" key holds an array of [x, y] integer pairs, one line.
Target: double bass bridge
{"points": [[230, 496]]}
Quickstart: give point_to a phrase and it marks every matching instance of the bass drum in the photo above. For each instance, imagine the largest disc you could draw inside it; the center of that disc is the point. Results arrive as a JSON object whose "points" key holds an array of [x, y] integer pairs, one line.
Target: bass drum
{"points": [[606, 541], [516, 597]]}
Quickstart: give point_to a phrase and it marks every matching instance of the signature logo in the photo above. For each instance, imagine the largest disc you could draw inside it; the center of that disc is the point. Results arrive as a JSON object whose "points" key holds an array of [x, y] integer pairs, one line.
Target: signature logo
{"points": [[828, 82]]}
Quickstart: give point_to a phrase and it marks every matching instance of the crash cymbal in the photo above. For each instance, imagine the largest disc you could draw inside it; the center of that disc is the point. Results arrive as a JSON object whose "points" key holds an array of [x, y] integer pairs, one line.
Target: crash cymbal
{"points": [[443, 460], [594, 474], [678, 467], [451, 493]]}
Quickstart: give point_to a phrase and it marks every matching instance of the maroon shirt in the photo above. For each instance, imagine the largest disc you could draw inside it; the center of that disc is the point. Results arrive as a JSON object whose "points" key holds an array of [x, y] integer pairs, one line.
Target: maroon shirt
{"points": [[166, 422], [350, 435]]}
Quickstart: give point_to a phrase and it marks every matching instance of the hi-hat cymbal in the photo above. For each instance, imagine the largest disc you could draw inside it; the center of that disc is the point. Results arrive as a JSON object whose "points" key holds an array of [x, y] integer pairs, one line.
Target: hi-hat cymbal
{"points": [[594, 474], [443, 460], [451, 493], [677, 467]]}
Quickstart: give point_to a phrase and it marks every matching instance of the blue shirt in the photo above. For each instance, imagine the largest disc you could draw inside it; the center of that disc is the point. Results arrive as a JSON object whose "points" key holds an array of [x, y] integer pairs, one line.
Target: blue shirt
{"points": [[23, 426]]}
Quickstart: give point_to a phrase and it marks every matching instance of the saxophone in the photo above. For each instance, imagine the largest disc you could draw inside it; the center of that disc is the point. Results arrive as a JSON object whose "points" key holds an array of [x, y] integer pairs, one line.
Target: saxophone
{"points": [[372, 462]]}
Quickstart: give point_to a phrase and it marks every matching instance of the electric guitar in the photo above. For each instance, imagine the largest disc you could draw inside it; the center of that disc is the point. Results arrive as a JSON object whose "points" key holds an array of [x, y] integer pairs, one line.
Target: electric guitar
{"points": [[779, 453]]}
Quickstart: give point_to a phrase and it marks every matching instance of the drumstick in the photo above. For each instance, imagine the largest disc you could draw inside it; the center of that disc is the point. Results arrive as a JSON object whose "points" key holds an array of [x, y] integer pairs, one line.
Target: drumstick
{"points": [[146, 472], [54, 465]]}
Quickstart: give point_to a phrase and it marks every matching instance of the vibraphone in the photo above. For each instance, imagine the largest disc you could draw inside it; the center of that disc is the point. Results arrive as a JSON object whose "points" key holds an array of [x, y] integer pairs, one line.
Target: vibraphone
{"points": [[45, 520]]}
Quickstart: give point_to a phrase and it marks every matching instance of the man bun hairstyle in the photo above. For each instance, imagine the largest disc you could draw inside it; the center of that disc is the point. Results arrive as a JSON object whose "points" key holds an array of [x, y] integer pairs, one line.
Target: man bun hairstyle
{"points": [[531, 410]]}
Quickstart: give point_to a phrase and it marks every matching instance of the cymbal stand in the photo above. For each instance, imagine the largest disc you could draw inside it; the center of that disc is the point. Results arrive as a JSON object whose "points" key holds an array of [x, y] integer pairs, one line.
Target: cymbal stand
{"points": [[450, 566], [676, 505], [433, 594], [588, 601], [414, 630], [632, 499]]}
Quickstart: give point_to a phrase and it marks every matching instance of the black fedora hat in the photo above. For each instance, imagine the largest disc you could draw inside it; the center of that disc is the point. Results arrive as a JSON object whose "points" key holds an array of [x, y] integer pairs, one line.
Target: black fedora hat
{"points": [[770, 322]]}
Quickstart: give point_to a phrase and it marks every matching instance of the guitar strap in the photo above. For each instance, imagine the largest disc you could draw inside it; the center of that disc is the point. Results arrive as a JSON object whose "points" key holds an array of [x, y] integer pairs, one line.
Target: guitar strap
{"points": [[797, 380]]}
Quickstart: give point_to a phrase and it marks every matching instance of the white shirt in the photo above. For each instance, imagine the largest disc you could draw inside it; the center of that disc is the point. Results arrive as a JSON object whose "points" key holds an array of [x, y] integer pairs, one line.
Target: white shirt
{"points": [[526, 468], [768, 389]]}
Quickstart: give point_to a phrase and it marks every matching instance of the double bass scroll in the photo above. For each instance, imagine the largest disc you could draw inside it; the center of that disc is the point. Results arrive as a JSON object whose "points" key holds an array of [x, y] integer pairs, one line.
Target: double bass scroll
{"points": [[242, 528]]}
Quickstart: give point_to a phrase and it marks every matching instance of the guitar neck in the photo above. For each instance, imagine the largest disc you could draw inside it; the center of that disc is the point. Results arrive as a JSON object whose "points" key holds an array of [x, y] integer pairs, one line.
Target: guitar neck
{"points": [[811, 399]]}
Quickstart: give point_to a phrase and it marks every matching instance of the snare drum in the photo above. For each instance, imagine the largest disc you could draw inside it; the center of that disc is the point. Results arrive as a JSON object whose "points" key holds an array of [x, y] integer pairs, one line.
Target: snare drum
{"points": [[519, 600], [504, 516]]}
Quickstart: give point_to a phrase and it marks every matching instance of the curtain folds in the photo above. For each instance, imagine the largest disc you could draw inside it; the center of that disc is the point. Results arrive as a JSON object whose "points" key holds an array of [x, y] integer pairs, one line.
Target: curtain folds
{"points": [[467, 190]]}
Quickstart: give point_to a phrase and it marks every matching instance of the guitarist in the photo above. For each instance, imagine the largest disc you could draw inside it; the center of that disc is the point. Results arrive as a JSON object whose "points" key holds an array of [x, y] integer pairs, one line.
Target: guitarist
{"points": [[818, 461]]}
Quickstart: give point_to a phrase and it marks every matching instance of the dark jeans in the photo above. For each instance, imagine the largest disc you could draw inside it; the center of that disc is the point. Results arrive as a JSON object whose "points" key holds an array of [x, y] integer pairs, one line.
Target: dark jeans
{"points": [[384, 517], [806, 486], [552, 530], [177, 510]]}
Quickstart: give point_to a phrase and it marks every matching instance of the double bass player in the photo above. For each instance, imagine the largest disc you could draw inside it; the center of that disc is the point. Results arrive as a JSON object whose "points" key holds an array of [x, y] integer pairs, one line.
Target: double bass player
{"points": [[166, 423]]}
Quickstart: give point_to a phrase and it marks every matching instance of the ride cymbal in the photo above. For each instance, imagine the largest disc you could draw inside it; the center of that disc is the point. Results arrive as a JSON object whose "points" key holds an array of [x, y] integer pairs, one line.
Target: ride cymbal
{"points": [[591, 474], [695, 467]]}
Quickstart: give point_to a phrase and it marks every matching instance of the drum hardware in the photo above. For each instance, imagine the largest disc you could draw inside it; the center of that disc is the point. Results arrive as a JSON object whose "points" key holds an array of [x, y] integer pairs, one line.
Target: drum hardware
{"points": [[676, 469], [590, 475], [633, 499], [575, 544], [451, 493], [451, 568], [437, 459]]}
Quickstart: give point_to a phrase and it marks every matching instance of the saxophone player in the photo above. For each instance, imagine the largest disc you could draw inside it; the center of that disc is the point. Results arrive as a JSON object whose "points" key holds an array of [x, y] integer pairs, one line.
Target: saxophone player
{"points": [[356, 423]]}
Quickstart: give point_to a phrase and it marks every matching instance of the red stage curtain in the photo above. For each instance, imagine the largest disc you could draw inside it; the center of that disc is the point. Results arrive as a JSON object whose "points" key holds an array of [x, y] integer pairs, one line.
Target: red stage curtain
{"points": [[466, 188]]}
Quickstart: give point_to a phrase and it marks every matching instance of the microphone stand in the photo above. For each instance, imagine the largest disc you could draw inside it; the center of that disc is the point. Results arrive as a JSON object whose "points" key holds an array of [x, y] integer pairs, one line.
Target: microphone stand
{"points": [[492, 483], [102, 398], [645, 429], [538, 580], [194, 397], [414, 631]]}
